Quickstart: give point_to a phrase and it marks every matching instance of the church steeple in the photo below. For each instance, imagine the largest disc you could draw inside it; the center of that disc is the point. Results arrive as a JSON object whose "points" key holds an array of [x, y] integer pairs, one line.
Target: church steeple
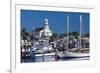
{"points": [[46, 26], [46, 21]]}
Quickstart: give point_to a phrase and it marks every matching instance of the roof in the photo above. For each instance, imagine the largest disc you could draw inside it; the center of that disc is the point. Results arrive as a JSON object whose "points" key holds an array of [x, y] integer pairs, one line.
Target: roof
{"points": [[37, 29]]}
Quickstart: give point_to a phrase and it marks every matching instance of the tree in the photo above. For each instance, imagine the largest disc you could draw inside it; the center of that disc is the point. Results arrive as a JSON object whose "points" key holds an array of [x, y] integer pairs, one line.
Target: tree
{"points": [[86, 35], [37, 29], [24, 34], [54, 35], [75, 34]]}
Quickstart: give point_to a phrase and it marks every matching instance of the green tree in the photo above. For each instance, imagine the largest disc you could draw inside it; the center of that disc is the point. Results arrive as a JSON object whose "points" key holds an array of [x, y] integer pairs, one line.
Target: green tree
{"points": [[75, 34], [54, 35], [86, 35], [24, 34]]}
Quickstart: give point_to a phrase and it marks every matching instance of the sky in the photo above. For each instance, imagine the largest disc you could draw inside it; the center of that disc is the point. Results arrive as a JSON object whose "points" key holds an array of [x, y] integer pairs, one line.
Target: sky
{"points": [[30, 19]]}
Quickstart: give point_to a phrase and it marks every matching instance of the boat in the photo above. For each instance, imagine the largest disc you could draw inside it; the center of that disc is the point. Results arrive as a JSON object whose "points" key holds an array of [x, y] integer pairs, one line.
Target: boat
{"points": [[73, 55], [69, 55]]}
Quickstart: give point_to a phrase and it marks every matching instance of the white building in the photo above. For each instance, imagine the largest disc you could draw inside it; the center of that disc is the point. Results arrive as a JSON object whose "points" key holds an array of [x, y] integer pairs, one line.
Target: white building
{"points": [[45, 32]]}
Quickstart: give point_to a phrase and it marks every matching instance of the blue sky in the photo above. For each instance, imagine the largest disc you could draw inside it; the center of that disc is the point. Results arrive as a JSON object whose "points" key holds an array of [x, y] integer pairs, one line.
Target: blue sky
{"points": [[30, 19]]}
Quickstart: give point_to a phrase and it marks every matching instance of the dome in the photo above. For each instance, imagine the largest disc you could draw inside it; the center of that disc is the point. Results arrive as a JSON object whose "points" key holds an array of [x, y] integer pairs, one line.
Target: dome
{"points": [[46, 20]]}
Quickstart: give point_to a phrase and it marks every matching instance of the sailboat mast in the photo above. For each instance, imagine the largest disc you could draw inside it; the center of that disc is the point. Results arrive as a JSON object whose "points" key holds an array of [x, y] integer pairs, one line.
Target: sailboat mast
{"points": [[67, 30], [80, 31]]}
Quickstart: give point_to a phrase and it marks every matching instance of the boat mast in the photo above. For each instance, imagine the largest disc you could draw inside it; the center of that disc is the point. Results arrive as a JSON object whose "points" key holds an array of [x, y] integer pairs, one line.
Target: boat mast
{"points": [[67, 33], [80, 31]]}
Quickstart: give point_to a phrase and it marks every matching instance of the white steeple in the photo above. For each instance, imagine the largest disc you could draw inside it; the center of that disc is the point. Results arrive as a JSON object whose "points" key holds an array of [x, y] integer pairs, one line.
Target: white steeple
{"points": [[46, 31], [46, 21], [46, 26]]}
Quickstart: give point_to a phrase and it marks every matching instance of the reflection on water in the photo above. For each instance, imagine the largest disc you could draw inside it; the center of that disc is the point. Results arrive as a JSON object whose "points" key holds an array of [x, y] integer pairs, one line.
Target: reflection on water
{"points": [[50, 58], [39, 59]]}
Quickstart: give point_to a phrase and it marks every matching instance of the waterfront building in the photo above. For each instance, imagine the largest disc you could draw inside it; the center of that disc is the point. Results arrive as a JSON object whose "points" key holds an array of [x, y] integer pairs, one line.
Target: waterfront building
{"points": [[44, 32]]}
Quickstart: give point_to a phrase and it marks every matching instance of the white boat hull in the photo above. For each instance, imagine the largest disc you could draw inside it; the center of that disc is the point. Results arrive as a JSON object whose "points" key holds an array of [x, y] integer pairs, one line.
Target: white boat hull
{"points": [[74, 55]]}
